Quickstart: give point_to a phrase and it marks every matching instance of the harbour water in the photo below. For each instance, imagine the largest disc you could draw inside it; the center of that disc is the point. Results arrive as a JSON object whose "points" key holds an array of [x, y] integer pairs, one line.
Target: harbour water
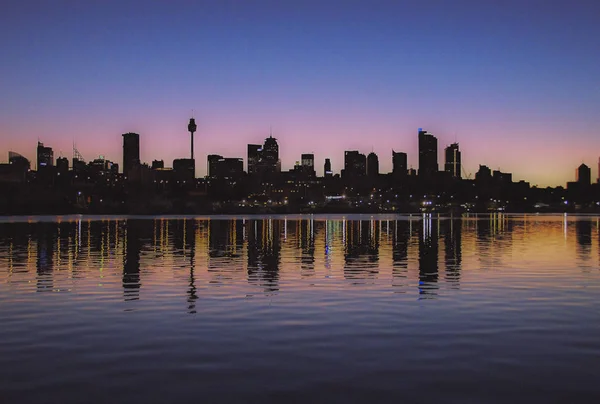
{"points": [[488, 308]]}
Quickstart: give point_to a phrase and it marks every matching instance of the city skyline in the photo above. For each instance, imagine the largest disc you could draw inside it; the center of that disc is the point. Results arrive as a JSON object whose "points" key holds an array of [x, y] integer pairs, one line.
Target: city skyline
{"points": [[430, 156], [517, 93]]}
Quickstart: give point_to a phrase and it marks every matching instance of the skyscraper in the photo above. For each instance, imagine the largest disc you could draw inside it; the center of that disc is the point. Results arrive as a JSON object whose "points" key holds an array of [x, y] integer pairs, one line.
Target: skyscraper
{"points": [[131, 152], [45, 156], [327, 168], [584, 175], [213, 162], [264, 159], [308, 164], [453, 165], [399, 164], [372, 165], [62, 165], [253, 158], [270, 156], [355, 164], [428, 162]]}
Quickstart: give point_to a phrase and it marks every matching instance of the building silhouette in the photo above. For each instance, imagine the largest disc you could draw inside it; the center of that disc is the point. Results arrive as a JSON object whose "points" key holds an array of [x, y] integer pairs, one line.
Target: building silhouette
{"points": [[270, 162], [453, 163], [264, 160], [428, 161], [158, 164], [131, 152], [224, 167], [399, 164], [45, 156], [62, 165], [355, 164], [327, 168], [308, 164], [584, 175], [372, 165], [254, 151], [184, 169]]}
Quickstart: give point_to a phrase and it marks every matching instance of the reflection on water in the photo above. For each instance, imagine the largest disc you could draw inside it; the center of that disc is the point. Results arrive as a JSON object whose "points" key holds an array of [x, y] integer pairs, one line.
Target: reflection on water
{"points": [[359, 308], [422, 252]]}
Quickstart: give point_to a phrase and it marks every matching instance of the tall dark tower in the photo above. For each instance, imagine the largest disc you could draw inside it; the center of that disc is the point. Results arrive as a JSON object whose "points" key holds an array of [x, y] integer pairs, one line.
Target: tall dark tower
{"points": [[131, 152], [428, 164], [453, 165], [372, 165], [192, 128]]}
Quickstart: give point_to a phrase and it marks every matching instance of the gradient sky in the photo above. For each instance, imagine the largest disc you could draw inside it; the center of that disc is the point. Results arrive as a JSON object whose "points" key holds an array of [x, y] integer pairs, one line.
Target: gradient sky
{"points": [[517, 83]]}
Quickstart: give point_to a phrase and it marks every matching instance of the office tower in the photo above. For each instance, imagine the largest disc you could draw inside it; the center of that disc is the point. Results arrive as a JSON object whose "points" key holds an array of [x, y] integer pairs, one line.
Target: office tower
{"points": [[355, 164], [131, 152], [327, 168], [453, 160], [158, 164], [399, 164], [372, 165], [428, 163], [598, 180], [254, 151], [213, 163], [184, 169], [227, 167], [484, 174], [264, 159], [45, 156], [270, 155], [584, 175], [18, 161], [308, 164], [62, 165]]}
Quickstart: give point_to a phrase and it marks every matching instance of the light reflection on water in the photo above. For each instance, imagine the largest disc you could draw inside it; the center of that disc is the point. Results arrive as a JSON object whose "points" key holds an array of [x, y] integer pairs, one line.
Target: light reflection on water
{"points": [[329, 308]]}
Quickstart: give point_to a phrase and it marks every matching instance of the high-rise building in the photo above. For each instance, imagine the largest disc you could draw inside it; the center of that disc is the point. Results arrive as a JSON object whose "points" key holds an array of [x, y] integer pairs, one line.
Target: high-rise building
{"points": [[355, 164], [131, 152], [399, 164], [327, 168], [254, 151], [45, 156], [213, 163], [270, 156], [184, 169], [264, 159], [453, 165], [19, 161], [584, 175], [308, 164], [484, 174], [62, 165], [372, 165], [428, 162]]}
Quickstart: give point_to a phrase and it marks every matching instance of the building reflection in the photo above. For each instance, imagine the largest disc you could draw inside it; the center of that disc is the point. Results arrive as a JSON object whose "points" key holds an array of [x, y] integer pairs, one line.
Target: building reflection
{"points": [[428, 256], [307, 247], [451, 230], [225, 245], [264, 253], [401, 232], [45, 256], [131, 260], [361, 250], [583, 236]]}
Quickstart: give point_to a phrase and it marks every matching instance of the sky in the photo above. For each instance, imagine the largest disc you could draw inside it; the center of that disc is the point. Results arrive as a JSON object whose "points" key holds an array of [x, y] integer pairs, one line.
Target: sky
{"points": [[516, 83]]}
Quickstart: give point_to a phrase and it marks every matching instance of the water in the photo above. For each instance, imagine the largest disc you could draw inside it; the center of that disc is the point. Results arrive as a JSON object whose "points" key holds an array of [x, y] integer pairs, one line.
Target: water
{"points": [[300, 309]]}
